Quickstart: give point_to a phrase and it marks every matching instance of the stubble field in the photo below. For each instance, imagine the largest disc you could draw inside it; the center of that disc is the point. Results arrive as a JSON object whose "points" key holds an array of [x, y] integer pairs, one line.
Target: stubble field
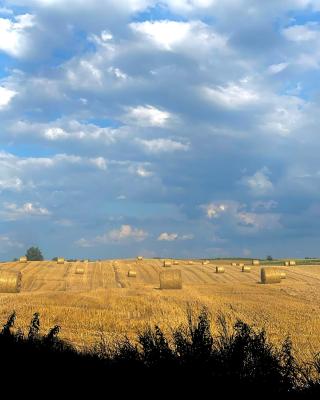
{"points": [[104, 301]]}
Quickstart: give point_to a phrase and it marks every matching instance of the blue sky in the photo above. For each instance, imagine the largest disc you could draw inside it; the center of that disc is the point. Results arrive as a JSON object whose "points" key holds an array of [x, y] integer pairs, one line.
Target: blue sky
{"points": [[184, 128]]}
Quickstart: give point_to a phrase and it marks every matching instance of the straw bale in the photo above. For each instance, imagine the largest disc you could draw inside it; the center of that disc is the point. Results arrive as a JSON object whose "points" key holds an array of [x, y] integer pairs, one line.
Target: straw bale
{"points": [[23, 259], [10, 281], [219, 270], [270, 275], [170, 279], [132, 273], [167, 263], [246, 268]]}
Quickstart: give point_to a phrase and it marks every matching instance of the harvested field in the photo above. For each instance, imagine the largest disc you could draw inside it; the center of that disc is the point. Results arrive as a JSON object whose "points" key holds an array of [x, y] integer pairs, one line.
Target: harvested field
{"points": [[104, 299]]}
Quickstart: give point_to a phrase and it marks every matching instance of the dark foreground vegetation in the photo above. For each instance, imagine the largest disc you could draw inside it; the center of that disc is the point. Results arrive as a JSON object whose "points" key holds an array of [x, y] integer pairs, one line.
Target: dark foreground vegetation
{"points": [[238, 362]]}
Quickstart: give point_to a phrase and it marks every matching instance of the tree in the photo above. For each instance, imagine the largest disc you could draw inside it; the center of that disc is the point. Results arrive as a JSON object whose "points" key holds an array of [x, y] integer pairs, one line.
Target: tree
{"points": [[34, 254], [269, 258]]}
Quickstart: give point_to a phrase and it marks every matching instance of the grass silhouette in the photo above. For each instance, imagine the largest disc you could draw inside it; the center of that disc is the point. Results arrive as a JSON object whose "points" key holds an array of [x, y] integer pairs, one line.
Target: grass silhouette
{"points": [[238, 361]]}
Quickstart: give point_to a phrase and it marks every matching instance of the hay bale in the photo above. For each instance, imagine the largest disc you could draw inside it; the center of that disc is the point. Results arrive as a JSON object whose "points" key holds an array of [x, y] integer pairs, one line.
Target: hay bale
{"points": [[233, 264], [175, 262], [190, 262], [23, 259], [219, 270], [132, 273], [60, 260], [205, 262], [139, 258], [167, 263], [283, 275], [270, 275], [85, 261], [246, 268], [171, 279], [292, 262], [10, 281], [79, 270], [241, 265], [255, 262], [286, 263]]}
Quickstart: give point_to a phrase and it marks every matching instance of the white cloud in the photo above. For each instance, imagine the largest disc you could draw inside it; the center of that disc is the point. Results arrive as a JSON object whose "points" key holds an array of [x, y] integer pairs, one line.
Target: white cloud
{"points": [[231, 95], [302, 33], [6, 95], [55, 134], [168, 237], [277, 68], [164, 33], [124, 233], [141, 171], [162, 145], [259, 183], [194, 38], [14, 184], [13, 39], [258, 222], [147, 116], [214, 210], [14, 212]]}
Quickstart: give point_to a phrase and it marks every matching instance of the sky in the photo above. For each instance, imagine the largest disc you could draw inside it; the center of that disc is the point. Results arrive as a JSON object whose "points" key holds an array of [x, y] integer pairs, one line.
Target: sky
{"points": [[174, 128]]}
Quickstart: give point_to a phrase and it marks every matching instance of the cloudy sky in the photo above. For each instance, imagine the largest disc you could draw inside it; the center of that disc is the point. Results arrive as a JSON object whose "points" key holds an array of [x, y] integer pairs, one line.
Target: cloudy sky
{"points": [[185, 128]]}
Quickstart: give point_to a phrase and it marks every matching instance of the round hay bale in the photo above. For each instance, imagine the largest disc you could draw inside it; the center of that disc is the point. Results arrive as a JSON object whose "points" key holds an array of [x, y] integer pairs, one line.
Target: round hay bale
{"points": [[175, 262], [85, 261], [270, 275], [219, 270], [241, 265], [10, 281], [286, 263], [283, 275], [255, 262], [292, 262], [60, 260], [23, 259], [190, 262], [79, 270], [171, 279], [139, 258], [206, 262], [246, 268], [233, 264], [167, 263], [132, 273]]}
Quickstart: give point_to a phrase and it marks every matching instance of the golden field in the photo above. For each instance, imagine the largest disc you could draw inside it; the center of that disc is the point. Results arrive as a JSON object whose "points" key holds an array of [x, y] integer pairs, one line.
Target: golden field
{"points": [[105, 301]]}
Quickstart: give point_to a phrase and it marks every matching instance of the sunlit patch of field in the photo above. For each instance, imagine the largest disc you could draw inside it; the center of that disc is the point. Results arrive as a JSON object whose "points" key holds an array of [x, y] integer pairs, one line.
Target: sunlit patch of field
{"points": [[104, 300]]}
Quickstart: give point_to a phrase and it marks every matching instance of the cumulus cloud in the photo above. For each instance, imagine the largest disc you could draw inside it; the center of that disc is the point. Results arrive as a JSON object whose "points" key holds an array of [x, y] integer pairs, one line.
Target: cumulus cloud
{"points": [[13, 34], [147, 116], [231, 96], [6, 95], [12, 211], [168, 237], [124, 233], [162, 145], [213, 210], [302, 33], [259, 183]]}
